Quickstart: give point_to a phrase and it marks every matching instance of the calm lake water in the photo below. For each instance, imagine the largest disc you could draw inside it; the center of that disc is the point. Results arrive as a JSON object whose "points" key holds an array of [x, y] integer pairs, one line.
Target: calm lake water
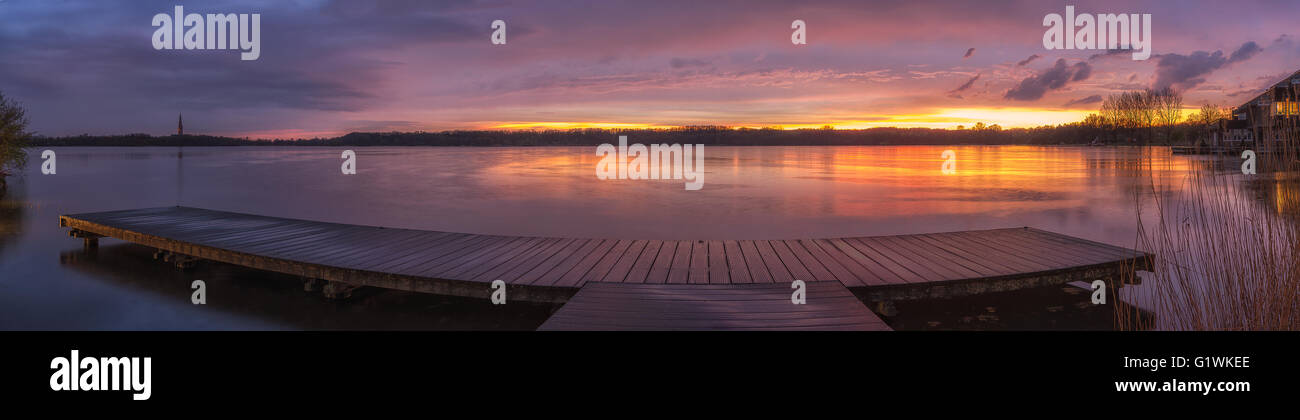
{"points": [[47, 282]]}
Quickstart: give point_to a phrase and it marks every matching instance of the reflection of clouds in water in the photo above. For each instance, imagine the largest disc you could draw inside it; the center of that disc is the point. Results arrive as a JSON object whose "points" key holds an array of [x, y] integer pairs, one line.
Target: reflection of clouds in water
{"points": [[986, 194], [940, 193], [755, 192]]}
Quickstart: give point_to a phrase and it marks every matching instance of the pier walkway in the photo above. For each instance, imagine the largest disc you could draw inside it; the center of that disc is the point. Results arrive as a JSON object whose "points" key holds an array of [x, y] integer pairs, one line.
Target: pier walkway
{"points": [[622, 283]]}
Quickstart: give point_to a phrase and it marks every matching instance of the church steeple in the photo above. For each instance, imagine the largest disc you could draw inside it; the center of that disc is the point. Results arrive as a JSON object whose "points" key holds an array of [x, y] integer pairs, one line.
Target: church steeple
{"points": [[180, 125]]}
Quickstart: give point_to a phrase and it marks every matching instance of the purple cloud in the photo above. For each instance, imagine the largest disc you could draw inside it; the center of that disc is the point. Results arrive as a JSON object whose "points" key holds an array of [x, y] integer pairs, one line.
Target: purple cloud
{"points": [[954, 93], [1083, 101], [1034, 87], [1184, 72]]}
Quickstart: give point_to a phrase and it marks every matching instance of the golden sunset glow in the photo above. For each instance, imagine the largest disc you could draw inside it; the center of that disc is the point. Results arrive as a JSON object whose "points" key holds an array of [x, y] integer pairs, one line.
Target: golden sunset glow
{"points": [[1008, 117], [574, 125], [943, 118]]}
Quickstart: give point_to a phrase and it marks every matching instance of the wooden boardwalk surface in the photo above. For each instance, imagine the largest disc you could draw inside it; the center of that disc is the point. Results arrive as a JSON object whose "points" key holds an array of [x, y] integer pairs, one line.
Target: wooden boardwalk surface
{"points": [[625, 306], [553, 269]]}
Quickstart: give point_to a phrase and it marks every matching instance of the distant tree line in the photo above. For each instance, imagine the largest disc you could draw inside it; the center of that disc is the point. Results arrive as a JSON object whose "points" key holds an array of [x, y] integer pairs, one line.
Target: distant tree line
{"points": [[1074, 133], [1137, 117], [146, 140]]}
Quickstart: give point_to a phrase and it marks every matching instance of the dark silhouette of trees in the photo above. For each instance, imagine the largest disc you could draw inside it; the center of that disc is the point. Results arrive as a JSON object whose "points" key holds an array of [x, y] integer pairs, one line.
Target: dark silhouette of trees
{"points": [[13, 137], [1138, 114], [1084, 132], [1207, 120], [713, 135], [1124, 118]]}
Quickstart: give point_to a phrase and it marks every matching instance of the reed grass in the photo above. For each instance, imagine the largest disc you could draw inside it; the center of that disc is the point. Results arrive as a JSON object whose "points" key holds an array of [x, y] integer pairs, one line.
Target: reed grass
{"points": [[1225, 244]]}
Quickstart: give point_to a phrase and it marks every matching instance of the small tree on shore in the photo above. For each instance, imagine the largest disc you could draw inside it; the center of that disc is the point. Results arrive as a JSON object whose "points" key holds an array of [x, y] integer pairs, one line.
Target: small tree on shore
{"points": [[1209, 114], [1206, 121], [13, 137]]}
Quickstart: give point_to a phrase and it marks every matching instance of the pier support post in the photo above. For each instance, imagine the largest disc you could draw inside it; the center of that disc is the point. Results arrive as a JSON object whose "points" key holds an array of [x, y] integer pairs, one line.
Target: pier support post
{"points": [[333, 290], [90, 241], [337, 290], [885, 307], [185, 262], [181, 261]]}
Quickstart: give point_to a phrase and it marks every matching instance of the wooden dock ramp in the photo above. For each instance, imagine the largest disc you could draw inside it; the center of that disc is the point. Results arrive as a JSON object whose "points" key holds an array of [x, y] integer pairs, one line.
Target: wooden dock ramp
{"points": [[876, 269], [623, 306]]}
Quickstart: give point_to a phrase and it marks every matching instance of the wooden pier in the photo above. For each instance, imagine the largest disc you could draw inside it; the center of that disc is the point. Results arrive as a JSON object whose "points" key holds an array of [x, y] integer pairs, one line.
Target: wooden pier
{"points": [[626, 284], [626, 306]]}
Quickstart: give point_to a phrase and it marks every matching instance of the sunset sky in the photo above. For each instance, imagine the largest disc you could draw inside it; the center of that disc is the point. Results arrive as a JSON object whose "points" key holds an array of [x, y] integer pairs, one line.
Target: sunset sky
{"points": [[332, 67]]}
